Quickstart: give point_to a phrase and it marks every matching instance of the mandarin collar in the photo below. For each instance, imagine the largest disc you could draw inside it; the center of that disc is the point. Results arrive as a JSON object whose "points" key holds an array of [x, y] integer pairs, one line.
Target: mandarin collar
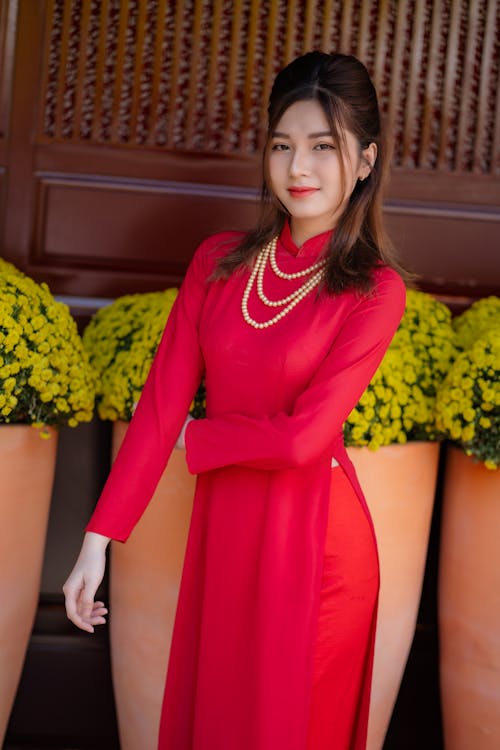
{"points": [[311, 247]]}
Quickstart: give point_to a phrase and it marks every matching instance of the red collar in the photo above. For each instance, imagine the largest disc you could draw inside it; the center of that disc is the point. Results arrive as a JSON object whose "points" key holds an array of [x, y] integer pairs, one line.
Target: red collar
{"points": [[311, 247]]}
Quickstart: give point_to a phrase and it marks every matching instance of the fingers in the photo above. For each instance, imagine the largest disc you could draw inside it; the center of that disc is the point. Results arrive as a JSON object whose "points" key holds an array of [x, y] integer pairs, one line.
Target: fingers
{"points": [[96, 615], [72, 593], [80, 606]]}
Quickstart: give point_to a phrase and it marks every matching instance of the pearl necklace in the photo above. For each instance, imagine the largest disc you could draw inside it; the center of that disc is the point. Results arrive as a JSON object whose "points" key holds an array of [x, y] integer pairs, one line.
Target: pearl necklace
{"points": [[290, 301], [298, 274]]}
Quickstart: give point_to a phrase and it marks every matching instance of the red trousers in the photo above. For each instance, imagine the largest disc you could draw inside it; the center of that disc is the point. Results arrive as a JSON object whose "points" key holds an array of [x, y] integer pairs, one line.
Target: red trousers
{"points": [[344, 646]]}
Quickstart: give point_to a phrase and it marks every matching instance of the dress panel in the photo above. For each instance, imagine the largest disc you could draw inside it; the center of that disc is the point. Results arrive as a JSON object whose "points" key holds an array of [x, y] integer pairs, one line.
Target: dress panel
{"points": [[342, 660], [254, 584]]}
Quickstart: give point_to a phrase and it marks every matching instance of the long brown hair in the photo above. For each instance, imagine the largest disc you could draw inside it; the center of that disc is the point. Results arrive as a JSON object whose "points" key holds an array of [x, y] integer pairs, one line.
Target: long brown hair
{"points": [[341, 85]]}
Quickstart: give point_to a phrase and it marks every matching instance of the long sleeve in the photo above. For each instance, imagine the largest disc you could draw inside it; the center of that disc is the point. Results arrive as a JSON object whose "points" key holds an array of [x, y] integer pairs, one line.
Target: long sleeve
{"points": [[285, 440], [168, 392]]}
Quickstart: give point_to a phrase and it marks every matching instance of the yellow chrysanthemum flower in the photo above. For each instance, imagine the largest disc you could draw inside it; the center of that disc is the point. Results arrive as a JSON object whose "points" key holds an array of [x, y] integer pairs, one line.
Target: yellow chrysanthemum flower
{"points": [[476, 321], [471, 415], [121, 340], [39, 345], [398, 405]]}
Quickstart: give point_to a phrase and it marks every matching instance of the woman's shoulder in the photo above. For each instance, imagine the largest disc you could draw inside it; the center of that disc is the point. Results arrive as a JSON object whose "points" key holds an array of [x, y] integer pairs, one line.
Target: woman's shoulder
{"points": [[388, 291], [211, 249], [387, 280], [214, 247]]}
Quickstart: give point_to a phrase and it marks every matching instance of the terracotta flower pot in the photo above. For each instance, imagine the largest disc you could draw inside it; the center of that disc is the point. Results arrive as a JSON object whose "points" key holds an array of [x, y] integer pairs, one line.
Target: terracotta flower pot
{"points": [[469, 605], [144, 584], [27, 464], [399, 483]]}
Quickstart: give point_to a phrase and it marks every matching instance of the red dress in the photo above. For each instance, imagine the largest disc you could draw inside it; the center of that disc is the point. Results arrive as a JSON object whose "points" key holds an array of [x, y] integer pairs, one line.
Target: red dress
{"points": [[273, 640]]}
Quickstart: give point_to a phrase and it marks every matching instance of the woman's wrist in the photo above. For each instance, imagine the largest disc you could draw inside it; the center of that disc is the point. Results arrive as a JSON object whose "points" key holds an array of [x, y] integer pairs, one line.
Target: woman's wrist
{"points": [[95, 542]]}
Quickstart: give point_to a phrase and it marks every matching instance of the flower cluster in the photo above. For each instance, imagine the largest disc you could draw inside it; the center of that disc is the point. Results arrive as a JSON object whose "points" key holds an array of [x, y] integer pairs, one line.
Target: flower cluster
{"points": [[399, 403], [122, 340], [45, 376], [468, 404], [477, 320]]}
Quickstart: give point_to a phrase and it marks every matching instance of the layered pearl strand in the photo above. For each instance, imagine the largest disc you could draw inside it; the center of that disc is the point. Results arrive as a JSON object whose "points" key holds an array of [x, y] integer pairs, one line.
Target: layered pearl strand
{"points": [[291, 300]]}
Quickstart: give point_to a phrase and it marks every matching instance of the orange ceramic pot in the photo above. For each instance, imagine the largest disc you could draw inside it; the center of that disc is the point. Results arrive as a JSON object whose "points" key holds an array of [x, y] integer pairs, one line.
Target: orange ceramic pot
{"points": [[399, 482], [144, 584], [27, 465], [469, 605]]}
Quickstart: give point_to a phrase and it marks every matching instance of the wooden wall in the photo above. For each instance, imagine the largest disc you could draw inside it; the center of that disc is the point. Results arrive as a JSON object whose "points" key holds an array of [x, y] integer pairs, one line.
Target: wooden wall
{"points": [[130, 129], [135, 128]]}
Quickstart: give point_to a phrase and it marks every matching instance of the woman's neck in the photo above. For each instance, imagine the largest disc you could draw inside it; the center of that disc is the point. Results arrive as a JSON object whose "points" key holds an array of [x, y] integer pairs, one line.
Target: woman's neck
{"points": [[303, 230]]}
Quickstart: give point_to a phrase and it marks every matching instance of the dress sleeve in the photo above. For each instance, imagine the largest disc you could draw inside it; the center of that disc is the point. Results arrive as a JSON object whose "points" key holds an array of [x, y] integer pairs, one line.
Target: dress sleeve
{"points": [[290, 440], [173, 379]]}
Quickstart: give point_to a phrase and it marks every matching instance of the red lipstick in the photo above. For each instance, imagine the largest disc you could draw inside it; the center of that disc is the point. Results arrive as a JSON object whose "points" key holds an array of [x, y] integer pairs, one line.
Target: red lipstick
{"points": [[301, 192]]}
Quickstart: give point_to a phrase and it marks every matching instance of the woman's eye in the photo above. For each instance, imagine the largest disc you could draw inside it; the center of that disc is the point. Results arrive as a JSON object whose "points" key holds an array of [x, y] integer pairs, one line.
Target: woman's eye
{"points": [[280, 147], [324, 147]]}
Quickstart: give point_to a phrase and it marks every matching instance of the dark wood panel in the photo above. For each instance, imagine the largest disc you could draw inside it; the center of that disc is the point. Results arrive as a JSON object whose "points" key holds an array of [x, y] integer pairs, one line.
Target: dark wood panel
{"points": [[245, 170], [455, 248], [3, 179], [154, 226], [8, 20], [23, 104], [440, 187], [238, 169], [132, 225]]}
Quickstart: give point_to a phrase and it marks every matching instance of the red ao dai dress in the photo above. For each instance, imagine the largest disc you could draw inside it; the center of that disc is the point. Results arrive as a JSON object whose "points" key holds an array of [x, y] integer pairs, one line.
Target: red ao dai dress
{"points": [[273, 640]]}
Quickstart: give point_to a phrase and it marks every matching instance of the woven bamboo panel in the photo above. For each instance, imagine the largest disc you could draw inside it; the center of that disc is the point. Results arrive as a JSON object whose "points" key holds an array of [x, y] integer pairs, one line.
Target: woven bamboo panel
{"points": [[195, 75]]}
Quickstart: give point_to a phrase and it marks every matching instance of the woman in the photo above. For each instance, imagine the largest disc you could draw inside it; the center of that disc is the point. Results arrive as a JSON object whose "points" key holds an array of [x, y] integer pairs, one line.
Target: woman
{"points": [[273, 640]]}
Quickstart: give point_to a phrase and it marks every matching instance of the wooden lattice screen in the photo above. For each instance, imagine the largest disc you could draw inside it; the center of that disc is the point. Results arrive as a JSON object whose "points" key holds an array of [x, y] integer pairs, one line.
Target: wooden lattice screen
{"points": [[195, 75]]}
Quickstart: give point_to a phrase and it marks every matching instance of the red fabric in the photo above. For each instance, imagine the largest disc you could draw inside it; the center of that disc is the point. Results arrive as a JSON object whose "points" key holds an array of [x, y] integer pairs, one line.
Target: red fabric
{"points": [[349, 585], [241, 662]]}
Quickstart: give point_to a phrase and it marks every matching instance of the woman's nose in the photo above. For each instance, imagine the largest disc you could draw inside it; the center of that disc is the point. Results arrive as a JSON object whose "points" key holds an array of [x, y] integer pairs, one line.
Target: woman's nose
{"points": [[300, 163]]}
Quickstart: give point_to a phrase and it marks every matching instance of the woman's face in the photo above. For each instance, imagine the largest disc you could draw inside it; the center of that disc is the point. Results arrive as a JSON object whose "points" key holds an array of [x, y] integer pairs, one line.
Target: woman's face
{"points": [[305, 169]]}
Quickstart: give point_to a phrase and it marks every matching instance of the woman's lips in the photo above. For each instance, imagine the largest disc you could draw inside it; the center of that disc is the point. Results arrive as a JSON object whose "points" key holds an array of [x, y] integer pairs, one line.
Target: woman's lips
{"points": [[302, 192]]}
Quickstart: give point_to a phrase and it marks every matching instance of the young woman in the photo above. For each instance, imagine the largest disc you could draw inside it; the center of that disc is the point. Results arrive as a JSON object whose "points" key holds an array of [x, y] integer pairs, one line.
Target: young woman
{"points": [[273, 641]]}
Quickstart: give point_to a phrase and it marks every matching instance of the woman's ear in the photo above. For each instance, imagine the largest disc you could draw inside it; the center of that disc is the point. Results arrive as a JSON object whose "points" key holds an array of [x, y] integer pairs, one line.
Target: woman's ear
{"points": [[368, 159]]}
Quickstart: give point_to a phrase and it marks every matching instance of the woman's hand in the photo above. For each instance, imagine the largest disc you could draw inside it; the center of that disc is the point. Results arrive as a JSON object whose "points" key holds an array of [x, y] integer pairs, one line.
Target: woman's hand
{"points": [[83, 582], [180, 440]]}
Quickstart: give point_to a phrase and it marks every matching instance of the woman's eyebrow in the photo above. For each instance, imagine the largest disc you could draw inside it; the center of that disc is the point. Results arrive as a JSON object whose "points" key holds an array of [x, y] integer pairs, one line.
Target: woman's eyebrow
{"points": [[322, 134]]}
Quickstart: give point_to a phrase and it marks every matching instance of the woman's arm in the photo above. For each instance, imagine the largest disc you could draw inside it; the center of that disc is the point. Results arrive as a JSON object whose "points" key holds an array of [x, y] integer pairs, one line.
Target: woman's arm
{"points": [[172, 382], [290, 440]]}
